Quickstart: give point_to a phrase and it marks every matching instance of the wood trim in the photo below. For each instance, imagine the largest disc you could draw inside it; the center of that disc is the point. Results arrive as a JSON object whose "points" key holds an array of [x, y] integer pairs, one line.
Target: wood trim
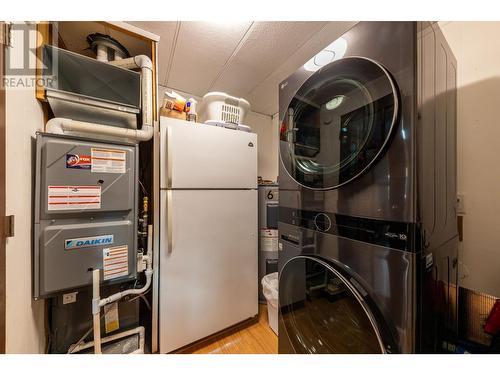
{"points": [[125, 31], [2, 205], [43, 36]]}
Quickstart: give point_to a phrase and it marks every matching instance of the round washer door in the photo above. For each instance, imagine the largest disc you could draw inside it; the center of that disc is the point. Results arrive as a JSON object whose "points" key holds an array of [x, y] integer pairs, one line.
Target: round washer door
{"points": [[338, 123], [322, 312]]}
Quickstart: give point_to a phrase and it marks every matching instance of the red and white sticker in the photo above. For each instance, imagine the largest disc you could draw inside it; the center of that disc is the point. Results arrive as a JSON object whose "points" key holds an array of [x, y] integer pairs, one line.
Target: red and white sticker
{"points": [[268, 240], [106, 160], [115, 262], [73, 197]]}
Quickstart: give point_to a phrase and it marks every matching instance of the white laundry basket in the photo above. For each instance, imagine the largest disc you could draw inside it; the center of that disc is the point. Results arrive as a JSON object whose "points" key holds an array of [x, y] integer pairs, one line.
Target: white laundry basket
{"points": [[270, 291], [220, 106]]}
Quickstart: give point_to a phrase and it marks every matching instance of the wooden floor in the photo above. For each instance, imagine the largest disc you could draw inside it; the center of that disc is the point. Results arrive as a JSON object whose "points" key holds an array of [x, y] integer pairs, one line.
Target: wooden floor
{"points": [[258, 338]]}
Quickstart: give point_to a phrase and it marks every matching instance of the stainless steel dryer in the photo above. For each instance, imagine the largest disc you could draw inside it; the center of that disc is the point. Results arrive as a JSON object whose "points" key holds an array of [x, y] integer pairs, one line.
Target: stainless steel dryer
{"points": [[367, 219]]}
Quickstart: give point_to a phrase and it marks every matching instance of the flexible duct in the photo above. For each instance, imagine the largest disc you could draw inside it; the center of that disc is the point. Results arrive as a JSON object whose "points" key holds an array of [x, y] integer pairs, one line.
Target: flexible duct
{"points": [[60, 125]]}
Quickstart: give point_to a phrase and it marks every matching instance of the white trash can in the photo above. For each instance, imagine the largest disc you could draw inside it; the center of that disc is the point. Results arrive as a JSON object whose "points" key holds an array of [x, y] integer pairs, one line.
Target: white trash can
{"points": [[270, 291]]}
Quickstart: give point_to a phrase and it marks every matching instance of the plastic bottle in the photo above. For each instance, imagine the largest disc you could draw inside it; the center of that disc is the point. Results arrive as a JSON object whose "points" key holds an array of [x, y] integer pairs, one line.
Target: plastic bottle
{"points": [[192, 115]]}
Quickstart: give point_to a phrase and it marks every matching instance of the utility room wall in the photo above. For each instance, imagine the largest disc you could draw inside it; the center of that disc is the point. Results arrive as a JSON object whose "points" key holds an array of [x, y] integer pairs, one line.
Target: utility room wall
{"points": [[476, 47], [25, 317], [267, 133]]}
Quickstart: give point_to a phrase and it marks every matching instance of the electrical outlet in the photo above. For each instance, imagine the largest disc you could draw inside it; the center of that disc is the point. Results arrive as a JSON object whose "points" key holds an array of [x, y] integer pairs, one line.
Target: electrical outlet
{"points": [[69, 298]]}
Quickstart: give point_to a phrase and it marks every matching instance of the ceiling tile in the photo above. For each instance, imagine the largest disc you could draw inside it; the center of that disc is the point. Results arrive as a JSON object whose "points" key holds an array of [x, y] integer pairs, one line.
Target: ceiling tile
{"points": [[268, 45], [202, 50]]}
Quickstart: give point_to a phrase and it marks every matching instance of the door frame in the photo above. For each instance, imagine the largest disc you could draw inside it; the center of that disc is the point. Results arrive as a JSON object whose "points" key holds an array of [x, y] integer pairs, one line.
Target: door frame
{"points": [[2, 204]]}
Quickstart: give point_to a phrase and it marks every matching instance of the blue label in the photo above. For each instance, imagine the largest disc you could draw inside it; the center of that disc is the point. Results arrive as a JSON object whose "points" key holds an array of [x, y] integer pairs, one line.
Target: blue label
{"points": [[77, 243]]}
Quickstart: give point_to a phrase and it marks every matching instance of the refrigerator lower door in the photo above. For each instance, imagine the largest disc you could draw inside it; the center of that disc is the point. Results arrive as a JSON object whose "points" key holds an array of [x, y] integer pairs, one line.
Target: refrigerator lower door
{"points": [[208, 263]]}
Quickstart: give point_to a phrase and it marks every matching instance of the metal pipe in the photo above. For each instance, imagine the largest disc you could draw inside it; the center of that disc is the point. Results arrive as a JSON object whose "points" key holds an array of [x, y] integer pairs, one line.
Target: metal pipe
{"points": [[62, 125]]}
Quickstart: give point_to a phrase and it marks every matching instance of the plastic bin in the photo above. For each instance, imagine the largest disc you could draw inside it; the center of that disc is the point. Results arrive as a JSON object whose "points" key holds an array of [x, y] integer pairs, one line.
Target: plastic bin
{"points": [[270, 290], [220, 106]]}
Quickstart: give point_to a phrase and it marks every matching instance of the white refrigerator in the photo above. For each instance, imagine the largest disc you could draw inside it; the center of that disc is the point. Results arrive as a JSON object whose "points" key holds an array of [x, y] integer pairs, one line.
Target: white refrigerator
{"points": [[208, 231]]}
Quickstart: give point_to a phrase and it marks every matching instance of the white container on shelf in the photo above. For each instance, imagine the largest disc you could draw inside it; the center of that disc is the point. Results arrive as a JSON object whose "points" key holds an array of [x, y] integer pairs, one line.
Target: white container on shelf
{"points": [[222, 107]]}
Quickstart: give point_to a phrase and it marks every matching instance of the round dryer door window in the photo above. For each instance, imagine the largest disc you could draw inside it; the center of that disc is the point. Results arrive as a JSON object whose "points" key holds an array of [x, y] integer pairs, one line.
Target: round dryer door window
{"points": [[322, 312], [338, 123]]}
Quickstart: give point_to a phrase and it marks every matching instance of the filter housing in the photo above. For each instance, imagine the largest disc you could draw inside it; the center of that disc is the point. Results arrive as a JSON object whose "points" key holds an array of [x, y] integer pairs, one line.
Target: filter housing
{"points": [[84, 89], [85, 213]]}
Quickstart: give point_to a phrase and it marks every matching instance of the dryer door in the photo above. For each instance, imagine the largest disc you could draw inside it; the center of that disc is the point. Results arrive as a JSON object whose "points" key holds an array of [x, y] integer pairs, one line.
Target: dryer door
{"points": [[322, 311], [338, 123]]}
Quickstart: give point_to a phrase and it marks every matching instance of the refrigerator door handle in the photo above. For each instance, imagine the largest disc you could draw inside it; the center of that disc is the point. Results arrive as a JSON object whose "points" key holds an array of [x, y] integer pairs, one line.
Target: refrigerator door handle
{"points": [[170, 239], [169, 157]]}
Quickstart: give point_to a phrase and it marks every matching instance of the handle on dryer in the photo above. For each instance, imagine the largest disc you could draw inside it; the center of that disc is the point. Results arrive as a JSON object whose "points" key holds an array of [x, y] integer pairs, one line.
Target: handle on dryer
{"points": [[170, 235]]}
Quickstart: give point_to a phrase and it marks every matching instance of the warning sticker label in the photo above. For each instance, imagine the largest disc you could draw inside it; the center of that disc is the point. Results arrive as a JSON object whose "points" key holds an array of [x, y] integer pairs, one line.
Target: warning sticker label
{"points": [[111, 320], [115, 262], [105, 160], [73, 197], [268, 240]]}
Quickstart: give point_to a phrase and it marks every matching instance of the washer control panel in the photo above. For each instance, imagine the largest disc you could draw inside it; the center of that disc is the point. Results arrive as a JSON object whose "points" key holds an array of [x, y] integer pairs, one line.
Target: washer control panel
{"points": [[397, 235]]}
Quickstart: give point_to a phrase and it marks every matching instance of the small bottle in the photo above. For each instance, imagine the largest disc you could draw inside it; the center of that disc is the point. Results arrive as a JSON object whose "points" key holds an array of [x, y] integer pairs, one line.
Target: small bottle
{"points": [[191, 113]]}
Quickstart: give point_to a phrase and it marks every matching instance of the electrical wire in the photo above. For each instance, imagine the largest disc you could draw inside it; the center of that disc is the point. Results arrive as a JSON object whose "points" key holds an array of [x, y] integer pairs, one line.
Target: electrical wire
{"points": [[70, 350], [143, 298], [144, 191]]}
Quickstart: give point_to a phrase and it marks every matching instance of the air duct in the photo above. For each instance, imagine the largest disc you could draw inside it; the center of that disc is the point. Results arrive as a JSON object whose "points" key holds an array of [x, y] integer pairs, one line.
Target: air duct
{"points": [[64, 125]]}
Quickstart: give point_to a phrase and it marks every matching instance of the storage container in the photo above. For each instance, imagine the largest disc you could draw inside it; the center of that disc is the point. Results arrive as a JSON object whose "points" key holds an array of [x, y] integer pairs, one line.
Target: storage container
{"points": [[223, 107]]}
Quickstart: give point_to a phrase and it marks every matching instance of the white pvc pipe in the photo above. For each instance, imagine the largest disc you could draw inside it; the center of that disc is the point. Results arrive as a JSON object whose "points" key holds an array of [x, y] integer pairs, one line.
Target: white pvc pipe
{"points": [[102, 53], [149, 260], [62, 125], [96, 311], [144, 63], [59, 125], [117, 296], [134, 331]]}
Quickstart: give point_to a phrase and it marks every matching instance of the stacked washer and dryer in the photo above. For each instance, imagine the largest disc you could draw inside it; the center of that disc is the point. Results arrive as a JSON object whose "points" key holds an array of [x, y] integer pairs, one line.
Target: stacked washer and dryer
{"points": [[367, 220]]}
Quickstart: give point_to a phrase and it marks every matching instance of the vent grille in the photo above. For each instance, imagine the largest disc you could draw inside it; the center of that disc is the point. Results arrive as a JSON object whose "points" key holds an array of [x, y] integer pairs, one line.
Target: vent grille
{"points": [[230, 113]]}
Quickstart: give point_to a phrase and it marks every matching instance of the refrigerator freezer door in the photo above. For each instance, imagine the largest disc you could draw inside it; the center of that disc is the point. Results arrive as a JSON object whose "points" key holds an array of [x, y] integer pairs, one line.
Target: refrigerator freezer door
{"points": [[198, 156], [208, 263]]}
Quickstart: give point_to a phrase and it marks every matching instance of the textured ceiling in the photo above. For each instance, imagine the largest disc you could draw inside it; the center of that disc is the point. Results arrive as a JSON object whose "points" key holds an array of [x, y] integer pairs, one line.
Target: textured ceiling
{"points": [[244, 59]]}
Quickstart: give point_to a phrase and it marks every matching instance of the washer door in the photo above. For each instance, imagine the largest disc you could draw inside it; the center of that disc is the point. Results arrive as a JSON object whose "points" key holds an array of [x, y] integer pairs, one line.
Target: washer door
{"points": [[321, 311], [338, 123]]}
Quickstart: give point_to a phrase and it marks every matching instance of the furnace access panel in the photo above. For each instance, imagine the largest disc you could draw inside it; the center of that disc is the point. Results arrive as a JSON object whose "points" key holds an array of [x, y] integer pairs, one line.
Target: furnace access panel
{"points": [[85, 213]]}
